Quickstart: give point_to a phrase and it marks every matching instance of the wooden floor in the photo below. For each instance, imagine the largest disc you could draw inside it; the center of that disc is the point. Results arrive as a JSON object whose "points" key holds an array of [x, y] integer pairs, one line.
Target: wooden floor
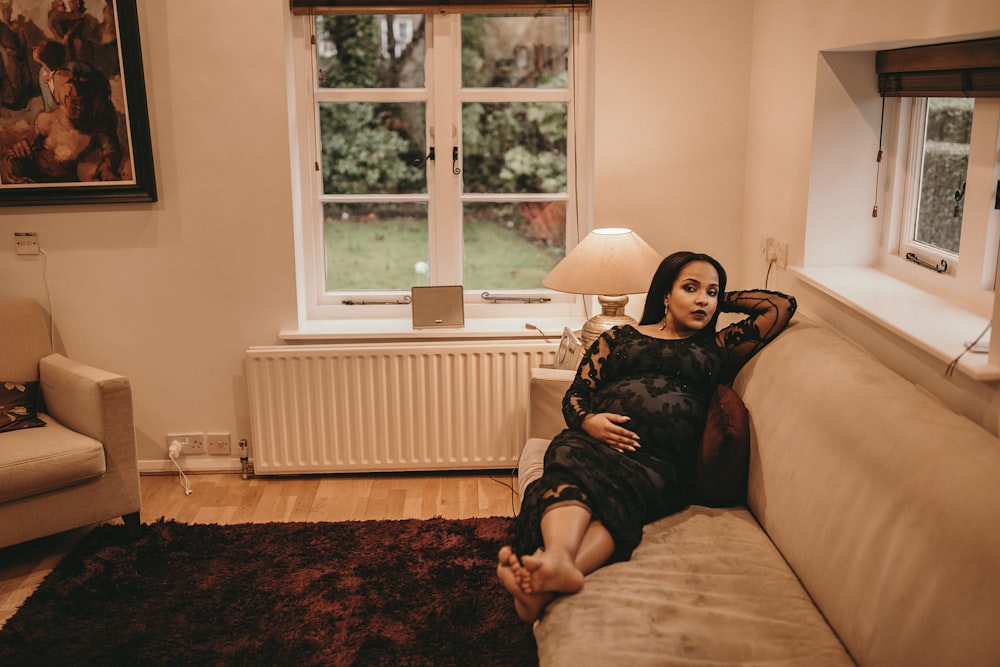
{"points": [[228, 498]]}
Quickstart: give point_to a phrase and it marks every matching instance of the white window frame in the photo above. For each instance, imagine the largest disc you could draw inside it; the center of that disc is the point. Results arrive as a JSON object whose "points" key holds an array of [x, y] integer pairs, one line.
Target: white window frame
{"points": [[972, 273], [316, 305]]}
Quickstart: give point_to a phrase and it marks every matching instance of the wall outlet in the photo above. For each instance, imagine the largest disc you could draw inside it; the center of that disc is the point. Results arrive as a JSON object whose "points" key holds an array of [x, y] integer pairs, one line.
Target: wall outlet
{"points": [[26, 243], [191, 443], [775, 251], [217, 443]]}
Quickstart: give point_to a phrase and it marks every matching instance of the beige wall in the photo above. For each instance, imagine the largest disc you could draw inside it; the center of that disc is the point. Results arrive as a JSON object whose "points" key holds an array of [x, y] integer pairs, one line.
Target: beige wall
{"points": [[671, 96], [703, 123], [172, 293], [813, 183], [788, 36]]}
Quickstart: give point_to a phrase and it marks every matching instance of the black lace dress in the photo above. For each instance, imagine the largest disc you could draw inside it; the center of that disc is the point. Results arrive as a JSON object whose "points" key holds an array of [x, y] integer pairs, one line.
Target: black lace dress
{"points": [[664, 387]]}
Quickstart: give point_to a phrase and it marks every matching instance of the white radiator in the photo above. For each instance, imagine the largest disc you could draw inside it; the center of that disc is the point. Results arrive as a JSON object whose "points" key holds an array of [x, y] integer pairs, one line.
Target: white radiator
{"points": [[394, 406]]}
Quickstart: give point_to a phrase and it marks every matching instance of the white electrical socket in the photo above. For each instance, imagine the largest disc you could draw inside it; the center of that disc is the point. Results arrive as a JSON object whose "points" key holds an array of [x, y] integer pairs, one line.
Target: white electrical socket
{"points": [[191, 443], [26, 243], [217, 443], [782, 259], [775, 251], [771, 249]]}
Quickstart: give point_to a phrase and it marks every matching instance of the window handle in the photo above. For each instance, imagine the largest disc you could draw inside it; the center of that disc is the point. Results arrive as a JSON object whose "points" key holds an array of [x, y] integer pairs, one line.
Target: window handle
{"points": [[430, 156], [996, 204], [940, 267], [454, 161]]}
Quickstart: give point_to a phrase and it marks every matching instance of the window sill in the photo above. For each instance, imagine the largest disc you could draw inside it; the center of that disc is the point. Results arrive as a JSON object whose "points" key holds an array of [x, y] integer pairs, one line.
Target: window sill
{"points": [[388, 330], [928, 322]]}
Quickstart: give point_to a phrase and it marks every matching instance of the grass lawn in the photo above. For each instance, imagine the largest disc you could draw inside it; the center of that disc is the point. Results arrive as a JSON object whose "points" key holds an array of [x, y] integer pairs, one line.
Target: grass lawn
{"points": [[386, 254]]}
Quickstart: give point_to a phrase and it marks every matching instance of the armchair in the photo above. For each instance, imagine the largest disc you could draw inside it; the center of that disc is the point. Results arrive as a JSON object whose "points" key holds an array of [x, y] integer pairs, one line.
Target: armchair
{"points": [[79, 468]]}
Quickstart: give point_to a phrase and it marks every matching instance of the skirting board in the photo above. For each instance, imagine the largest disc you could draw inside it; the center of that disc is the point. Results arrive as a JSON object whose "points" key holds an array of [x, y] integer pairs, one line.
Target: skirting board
{"points": [[191, 464]]}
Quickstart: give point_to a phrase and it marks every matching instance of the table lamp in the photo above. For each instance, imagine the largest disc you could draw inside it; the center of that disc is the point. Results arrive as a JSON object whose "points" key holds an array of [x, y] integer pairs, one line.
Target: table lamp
{"points": [[611, 263]]}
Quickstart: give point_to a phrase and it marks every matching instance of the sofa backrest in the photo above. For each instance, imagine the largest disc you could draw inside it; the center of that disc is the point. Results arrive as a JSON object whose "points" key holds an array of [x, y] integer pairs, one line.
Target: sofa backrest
{"points": [[24, 339], [884, 502]]}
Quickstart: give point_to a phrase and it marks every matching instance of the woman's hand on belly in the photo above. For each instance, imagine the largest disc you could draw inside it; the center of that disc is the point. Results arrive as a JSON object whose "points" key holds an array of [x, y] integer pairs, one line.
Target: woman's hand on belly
{"points": [[606, 427]]}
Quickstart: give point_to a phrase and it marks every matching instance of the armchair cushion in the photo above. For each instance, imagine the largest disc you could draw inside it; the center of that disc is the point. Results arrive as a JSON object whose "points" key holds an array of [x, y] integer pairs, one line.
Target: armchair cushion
{"points": [[31, 465], [19, 406]]}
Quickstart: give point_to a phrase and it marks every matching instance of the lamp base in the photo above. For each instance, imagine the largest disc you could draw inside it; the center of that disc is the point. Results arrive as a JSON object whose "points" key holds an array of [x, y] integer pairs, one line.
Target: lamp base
{"points": [[612, 315]]}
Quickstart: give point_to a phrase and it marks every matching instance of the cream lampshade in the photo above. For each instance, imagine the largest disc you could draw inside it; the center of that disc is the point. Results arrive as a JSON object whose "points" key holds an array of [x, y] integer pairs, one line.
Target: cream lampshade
{"points": [[611, 262]]}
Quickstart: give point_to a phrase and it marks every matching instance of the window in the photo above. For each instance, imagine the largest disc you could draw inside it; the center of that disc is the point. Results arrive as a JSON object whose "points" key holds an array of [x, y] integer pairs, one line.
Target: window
{"points": [[948, 221], [938, 161], [943, 192], [437, 149]]}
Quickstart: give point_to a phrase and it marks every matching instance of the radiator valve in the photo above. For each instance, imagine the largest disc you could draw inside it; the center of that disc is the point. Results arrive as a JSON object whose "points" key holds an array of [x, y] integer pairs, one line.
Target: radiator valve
{"points": [[244, 458]]}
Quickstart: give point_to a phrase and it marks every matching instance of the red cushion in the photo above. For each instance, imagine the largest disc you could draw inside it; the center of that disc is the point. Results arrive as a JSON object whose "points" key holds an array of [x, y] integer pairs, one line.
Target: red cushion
{"points": [[724, 458]]}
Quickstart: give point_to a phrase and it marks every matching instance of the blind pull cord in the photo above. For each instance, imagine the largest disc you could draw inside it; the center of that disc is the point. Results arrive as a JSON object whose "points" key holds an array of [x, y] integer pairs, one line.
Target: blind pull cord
{"points": [[878, 158]]}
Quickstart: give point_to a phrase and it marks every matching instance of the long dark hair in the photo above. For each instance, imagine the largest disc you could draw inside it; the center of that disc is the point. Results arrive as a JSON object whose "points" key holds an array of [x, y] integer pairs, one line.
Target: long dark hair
{"points": [[664, 279]]}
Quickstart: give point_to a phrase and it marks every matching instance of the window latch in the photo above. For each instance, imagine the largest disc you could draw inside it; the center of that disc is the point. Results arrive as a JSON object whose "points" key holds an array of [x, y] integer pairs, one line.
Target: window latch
{"points": [[430, 156], [519, 299], [940, 267], [959, 196], [387, 302], [996, 204]]}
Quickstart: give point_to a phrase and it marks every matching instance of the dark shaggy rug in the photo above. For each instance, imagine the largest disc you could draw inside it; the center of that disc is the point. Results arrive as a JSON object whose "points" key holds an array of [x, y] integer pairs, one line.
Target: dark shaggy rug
{"points": [[404, 592]]}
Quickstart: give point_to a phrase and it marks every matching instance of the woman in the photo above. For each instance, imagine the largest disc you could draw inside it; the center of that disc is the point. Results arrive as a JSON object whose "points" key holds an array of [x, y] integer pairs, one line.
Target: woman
{"points": [[636, 412]]}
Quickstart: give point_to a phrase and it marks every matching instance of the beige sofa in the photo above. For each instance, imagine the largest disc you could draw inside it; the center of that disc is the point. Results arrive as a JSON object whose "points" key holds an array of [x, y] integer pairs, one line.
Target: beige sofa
{"points": [[78, 469], [872, 535]]}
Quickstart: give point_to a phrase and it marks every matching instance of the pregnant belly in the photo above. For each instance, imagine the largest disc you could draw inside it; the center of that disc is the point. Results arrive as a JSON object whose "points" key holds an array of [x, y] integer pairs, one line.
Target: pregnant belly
{"points": [[657, 408]]}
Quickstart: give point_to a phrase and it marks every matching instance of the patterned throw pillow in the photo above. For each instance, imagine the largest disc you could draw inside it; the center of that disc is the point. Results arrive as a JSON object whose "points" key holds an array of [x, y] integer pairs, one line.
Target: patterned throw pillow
{"points": [[724, 459], [19, 406]]}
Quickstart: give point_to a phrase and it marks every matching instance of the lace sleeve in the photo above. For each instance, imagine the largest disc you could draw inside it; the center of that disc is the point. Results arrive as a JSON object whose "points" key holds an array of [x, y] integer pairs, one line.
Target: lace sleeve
{"points": [[768, 313], [579, 398]]}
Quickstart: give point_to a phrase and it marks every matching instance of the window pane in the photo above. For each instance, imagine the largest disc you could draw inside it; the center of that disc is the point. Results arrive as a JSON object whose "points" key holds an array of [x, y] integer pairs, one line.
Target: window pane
{"points": [[375, 51], [512, 246], [514, 147], [514, 51], [375, 246], [942, 184], [372, 148]]}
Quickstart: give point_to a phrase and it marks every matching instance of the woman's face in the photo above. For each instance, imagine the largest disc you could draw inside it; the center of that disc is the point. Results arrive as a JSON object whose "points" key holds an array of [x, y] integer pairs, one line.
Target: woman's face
{"points": [[694, 298]]}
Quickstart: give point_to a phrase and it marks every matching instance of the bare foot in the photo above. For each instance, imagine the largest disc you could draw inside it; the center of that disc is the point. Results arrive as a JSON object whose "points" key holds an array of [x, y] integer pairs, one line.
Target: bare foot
{"points": [[550, 572], [529, 606]]}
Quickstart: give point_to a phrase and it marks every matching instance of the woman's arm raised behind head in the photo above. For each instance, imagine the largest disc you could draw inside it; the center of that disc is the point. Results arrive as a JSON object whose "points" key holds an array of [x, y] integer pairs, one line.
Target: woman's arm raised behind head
{"points": [[768, 313]]}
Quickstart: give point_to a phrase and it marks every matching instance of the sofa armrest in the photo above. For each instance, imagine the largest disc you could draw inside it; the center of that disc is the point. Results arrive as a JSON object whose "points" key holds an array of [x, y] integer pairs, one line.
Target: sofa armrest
{"points": [[545, 396], [88, 400]]}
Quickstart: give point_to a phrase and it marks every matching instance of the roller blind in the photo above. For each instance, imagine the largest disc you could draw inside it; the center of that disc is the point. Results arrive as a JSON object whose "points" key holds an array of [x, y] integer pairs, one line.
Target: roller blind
{"points": [[333, 7], [956, 69]]}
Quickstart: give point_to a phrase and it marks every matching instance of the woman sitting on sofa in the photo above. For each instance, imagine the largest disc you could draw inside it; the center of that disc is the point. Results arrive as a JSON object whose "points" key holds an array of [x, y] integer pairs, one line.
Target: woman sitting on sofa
{"points": [[636, 412]]}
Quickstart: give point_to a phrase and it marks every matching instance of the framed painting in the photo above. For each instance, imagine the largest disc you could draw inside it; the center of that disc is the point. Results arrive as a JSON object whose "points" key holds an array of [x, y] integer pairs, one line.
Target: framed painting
{"points": [[74, 125]]}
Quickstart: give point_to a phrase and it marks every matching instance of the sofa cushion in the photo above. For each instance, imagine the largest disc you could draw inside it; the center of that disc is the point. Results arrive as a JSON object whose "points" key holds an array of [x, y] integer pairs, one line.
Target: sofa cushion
{"points": [[19, 406], [704, 587], [725, 452], [531, 463], [35, 461]]}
